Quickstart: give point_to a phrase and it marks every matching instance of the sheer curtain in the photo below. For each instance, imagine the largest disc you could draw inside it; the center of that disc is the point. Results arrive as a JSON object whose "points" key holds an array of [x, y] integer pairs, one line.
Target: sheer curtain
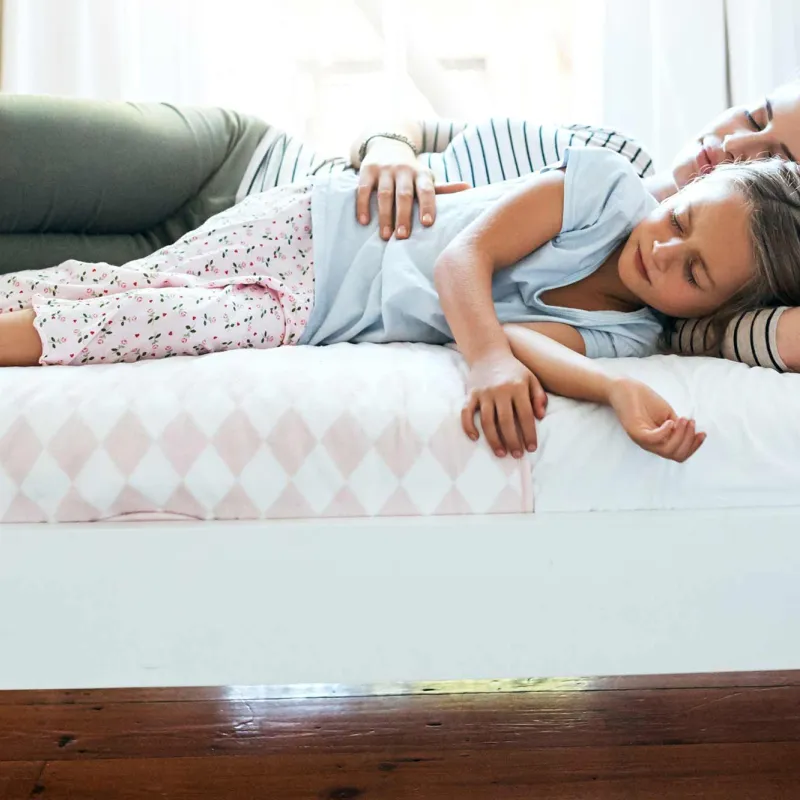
{"points": [[319, 68], [671, 65], [105, 49]]}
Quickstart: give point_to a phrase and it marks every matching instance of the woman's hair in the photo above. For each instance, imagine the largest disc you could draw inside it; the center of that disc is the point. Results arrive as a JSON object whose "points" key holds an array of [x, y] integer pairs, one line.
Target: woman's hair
{"points": [[771, 189]]}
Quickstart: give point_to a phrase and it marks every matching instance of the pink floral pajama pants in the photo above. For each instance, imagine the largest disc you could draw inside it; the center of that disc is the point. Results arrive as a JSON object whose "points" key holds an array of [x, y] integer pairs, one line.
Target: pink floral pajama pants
{"points": [[243, 279]]}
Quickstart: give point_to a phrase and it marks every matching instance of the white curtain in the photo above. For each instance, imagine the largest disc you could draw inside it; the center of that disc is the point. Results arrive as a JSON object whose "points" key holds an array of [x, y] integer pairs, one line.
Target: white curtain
{"points": [[318, 68], [670, 66], [764, 46], [104, 49]]}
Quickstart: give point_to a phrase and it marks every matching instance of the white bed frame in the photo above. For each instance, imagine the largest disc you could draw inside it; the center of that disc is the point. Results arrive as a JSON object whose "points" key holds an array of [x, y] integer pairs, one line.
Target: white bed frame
{"points": [[382, 600]]}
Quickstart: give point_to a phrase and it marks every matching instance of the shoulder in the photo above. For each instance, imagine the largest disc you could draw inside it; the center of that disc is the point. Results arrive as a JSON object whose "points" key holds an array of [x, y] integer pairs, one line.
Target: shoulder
{"points": [[600, 183]]}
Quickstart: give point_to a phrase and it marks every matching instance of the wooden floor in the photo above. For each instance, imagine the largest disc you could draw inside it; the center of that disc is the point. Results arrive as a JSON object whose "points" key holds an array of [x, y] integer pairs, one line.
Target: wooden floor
{"points": [[716, 737]]}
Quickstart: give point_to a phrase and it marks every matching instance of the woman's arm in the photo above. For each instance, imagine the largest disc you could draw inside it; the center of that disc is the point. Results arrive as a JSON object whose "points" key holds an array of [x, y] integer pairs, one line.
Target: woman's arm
{"points": [[552, 351], [765, 337], [391, 169], [408, 128]]}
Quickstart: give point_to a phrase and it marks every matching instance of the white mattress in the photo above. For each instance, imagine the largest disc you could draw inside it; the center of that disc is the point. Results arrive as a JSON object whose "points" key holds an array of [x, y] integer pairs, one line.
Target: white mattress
{"points": [[751, 457], [367, 430]]}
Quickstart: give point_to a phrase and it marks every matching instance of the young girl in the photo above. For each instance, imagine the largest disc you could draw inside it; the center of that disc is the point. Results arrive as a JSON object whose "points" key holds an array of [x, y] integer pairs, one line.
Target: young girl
{"points": [[580, 256]]}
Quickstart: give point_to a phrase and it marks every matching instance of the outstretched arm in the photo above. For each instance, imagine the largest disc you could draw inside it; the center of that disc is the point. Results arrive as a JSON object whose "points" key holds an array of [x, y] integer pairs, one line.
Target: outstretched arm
{"points": [[553, 352]]}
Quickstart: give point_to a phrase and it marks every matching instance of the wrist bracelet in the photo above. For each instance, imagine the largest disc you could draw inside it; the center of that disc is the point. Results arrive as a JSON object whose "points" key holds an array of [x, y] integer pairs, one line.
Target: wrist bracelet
{"points": [[398, 137]]}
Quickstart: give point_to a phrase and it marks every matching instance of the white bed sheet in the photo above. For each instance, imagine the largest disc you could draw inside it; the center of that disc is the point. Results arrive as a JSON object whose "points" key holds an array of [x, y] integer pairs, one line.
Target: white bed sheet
{"points": [[751, 457]]}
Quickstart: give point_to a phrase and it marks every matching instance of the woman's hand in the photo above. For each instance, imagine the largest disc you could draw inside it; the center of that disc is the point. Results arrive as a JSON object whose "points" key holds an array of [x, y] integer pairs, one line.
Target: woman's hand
{"points": [[391, 169], [510, 400], [651, 422]]}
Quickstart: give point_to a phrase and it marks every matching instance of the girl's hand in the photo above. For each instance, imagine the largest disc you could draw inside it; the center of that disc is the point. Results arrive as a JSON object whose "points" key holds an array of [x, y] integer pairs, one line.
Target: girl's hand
{"points": [[390, 168], [651, 422], [509, 398]]}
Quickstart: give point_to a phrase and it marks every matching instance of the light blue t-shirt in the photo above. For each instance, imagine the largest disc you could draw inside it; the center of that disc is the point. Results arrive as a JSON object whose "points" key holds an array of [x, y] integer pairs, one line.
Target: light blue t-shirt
{"points": [[369, 290]]}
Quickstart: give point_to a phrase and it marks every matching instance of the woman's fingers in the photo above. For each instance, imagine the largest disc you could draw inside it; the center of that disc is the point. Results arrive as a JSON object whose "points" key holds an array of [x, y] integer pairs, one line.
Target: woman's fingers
{"points": [[367, 183], [386, 204], [451, 188], [404, 201], [426, 195]]}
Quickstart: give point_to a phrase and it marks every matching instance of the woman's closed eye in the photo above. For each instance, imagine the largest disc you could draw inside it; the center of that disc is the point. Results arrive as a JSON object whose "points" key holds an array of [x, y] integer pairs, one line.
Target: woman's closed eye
{"points": [[676, 223], [752, 121]]}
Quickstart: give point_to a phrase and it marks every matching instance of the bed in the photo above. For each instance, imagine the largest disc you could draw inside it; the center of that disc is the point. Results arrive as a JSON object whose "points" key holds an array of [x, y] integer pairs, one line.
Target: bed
{"points": [[315, 515]]}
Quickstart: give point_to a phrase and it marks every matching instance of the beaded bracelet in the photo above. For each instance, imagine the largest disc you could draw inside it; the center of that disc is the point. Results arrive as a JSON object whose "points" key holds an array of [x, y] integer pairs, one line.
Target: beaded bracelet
{"points": [[398, 137]]}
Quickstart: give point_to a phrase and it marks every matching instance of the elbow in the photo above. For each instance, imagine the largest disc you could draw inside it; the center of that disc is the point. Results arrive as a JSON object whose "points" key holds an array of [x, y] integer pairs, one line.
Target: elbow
{"points": [[443, 269]]}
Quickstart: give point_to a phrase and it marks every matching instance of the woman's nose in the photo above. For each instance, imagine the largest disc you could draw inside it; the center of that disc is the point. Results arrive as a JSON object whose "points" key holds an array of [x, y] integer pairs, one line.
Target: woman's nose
{"points": [[746, 146]]}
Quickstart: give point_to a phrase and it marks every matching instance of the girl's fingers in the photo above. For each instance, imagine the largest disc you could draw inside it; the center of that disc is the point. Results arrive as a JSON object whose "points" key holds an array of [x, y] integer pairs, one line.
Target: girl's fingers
{"points": [[525, 409], [539, 399], [684, 448], [657, 436], [468, 417], [698, 441], [508, 427], [489, 425], [669, 447]]}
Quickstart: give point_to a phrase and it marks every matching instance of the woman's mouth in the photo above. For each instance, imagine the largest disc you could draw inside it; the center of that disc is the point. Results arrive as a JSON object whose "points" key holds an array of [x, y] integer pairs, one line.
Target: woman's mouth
{"points": [[708, 158], [639, 261], [704, 163]]}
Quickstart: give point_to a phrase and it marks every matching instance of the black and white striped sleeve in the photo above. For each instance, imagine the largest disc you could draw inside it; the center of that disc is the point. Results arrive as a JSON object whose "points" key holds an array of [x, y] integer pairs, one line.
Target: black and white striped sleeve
{"points": [[750, 337], [280, 159], [500, 148]]}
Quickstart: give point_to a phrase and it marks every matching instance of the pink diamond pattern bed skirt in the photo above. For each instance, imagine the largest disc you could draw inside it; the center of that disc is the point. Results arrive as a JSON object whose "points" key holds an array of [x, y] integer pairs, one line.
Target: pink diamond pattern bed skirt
{"points": [[342, 431]]}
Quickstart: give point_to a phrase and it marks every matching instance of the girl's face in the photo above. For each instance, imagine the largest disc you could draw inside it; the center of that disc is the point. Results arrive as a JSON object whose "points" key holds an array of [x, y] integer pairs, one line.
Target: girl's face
{"points": [[692, 253], [769, 127]]}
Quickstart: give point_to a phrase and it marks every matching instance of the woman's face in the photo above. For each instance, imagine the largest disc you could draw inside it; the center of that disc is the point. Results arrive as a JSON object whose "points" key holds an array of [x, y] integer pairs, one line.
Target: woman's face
{"points": [[769, 127], [692, 253]]}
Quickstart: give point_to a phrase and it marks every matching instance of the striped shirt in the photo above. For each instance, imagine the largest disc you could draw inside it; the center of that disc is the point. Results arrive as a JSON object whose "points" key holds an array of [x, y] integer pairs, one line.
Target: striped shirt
{"points": [[496, 149]]}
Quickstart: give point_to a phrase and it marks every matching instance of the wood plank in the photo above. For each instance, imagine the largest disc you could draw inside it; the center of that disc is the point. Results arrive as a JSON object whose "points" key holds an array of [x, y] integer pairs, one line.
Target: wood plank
{"points": [[504, 721], [688, 772], [18, 778], [719, 680]]}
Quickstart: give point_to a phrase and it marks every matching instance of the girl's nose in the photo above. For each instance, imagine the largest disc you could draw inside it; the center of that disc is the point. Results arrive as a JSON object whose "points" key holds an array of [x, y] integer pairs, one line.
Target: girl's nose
{"points": [[666, 253]]}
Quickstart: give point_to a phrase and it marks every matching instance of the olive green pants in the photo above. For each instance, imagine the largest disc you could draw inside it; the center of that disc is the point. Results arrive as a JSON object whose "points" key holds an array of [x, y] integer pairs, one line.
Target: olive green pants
{"points": [[112, 181]]}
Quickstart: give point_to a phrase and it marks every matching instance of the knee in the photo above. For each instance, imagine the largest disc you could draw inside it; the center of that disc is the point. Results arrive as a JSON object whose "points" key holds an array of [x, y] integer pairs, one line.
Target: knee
{"points": [[20, 345]]}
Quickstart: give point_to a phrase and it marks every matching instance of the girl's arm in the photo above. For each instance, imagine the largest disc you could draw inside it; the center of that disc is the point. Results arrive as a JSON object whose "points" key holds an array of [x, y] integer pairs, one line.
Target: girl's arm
{"points": [[552, 351], [513, 227]]}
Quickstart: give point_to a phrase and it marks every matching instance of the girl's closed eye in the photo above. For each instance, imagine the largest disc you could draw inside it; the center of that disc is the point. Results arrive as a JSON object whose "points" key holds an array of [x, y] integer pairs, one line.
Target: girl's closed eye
{"points": [[688, 269]]}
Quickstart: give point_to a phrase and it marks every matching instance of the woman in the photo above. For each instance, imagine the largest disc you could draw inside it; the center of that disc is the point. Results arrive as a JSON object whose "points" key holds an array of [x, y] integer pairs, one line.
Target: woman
{"points": [[499, 148]]}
